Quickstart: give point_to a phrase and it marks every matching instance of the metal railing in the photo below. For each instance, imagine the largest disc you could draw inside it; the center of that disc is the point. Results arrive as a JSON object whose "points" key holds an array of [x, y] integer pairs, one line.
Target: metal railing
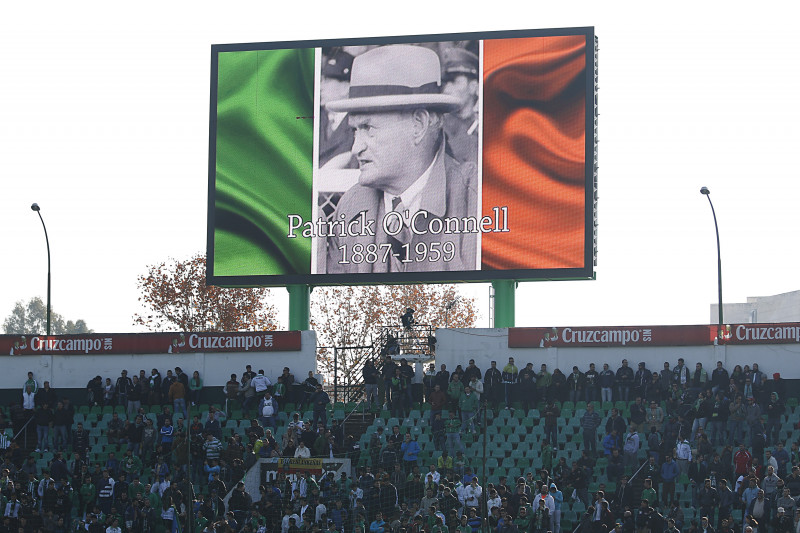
{"points": [[415, 343], [630, 479], [24, 432]]}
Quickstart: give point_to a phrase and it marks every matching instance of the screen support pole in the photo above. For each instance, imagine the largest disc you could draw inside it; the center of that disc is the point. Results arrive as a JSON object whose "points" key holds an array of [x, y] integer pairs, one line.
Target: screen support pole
{"points": [[504, 302], [299, 306]]}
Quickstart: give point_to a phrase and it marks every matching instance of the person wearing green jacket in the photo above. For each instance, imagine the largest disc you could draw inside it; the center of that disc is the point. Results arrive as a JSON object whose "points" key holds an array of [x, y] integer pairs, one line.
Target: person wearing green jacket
{"points": [[87, 496], [468, 403], [543, 381], [454, 391], [452, 429], [131, 464], [195, 386], [523, 520]]}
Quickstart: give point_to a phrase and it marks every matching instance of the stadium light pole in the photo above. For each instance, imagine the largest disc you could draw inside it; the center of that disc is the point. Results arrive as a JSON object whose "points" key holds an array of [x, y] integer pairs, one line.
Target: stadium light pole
{"points": [[707, 193], [35, 207]]}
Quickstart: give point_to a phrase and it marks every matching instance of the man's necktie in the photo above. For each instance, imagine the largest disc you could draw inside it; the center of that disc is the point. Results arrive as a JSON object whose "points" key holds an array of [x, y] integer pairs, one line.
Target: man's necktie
{"points": [[398, 240]]}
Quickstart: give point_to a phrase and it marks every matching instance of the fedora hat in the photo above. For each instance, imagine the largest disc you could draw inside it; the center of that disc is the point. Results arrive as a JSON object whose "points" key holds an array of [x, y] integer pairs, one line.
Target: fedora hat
{"points": [[395, 77]]}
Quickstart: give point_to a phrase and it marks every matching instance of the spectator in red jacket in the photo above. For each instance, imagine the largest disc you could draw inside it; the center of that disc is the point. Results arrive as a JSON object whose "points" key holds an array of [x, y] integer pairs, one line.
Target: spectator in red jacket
{"points": [[742, 461]]}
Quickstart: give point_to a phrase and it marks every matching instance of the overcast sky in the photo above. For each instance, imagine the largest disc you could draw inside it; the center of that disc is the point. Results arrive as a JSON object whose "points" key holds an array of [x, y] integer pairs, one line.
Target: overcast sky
{"points": [[104, 123]]}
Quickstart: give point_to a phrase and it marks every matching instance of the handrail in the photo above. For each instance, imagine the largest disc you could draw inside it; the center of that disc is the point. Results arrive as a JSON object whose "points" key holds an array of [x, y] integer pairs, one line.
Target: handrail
{"points": [[637, 471], [629, 480], [22, 429]]}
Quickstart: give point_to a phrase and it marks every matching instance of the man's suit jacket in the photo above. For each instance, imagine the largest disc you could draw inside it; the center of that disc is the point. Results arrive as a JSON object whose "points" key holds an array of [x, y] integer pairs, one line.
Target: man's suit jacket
{"points": [[451, 191]]}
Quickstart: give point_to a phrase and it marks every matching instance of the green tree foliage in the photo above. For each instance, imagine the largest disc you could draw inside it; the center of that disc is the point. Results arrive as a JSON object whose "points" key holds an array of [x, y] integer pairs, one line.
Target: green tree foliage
{"points": [[31, 319]]}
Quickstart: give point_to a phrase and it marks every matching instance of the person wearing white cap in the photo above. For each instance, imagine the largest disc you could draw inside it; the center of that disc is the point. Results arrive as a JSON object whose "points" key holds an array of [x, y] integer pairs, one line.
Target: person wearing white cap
{"points": [[407, 213]]}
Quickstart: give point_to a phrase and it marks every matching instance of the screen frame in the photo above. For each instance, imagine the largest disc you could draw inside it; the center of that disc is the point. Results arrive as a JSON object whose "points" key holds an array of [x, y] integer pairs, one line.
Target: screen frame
{"points": [[473, 276]]}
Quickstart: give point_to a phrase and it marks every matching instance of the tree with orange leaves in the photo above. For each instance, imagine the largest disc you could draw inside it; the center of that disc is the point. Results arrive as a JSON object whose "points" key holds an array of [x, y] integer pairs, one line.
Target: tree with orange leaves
{"points": [[353, 316], [175, 297]]}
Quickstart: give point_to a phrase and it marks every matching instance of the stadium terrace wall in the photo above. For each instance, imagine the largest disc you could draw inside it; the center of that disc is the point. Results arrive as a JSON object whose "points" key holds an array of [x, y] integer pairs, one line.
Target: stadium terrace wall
{"points": [[69, 374], [458, 346]]}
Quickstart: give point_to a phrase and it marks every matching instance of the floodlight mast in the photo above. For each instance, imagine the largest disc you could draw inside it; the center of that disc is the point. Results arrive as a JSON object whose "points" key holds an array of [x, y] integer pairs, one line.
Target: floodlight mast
{"points": [[707, 193]]}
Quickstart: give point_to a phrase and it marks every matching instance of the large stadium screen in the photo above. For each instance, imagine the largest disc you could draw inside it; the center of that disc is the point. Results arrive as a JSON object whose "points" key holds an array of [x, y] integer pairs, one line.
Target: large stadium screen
{"points": [[437, 158]]}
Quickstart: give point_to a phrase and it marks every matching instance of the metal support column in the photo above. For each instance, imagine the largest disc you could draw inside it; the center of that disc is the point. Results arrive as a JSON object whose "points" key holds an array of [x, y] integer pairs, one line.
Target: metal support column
{"points": [[299, 306], [504, 302]]}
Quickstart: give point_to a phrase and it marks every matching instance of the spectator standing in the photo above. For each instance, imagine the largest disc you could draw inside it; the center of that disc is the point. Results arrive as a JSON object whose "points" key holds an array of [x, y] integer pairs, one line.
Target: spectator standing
{"points": [[550, 421], [453, 432], [526, 387], [154, 386], [641, 380], [742, 461], [371, 376], [320, 401], [30, 382], [61, 425], [468, 404], [43, 418], [719, 379], [667, 378], [607, 381], [775, 409], [134, 398], [510, 373], [398, 386], [575, 384], [493, 385], [590, 421], [268, 411], [122, 388], [28, 401], [177, 395], [683, 454], [543, 381], [195, 387], [438, 399], [410, 450], [247, 392], [669, 473], [454, 391], [261, 383], [592, 384], [46, 395], [630, 448], [624, 380], [166, 436]]}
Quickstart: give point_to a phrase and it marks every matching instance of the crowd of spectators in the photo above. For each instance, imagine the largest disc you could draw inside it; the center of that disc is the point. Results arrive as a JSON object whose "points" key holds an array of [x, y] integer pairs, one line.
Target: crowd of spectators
{"points": [[675, 450]]}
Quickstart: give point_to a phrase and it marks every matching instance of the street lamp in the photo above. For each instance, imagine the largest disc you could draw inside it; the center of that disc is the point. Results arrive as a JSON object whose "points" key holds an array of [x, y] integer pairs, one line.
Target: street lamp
{"points": [[707, 193], [35, 207]]}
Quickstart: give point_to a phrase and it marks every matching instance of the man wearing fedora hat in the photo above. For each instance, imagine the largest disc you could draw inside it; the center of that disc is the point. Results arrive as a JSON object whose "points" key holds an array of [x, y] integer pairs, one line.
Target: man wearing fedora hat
{"points": [[396, 110]]}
